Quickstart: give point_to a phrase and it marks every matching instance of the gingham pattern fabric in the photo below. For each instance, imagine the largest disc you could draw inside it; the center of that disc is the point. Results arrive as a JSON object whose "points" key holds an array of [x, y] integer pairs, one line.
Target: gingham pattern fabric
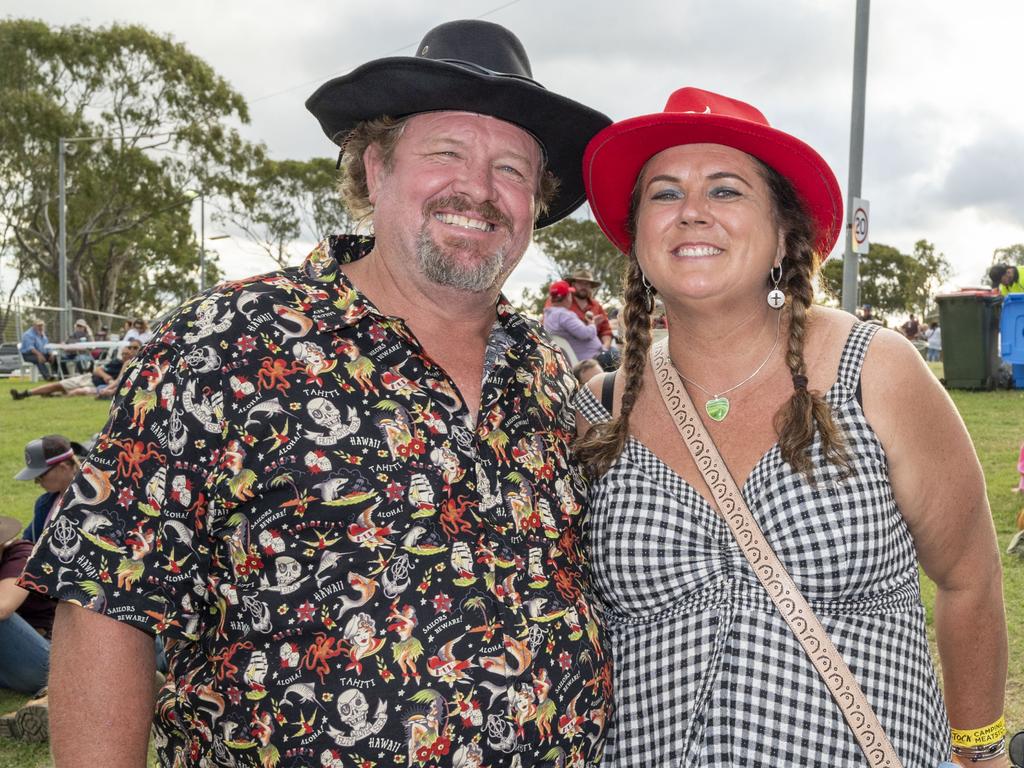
{"points": [[707, 673]]}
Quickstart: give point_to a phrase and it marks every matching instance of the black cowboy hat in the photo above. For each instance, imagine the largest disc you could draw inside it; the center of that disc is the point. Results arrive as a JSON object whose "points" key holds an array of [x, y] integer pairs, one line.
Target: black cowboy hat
{"points": [[467, 66]]}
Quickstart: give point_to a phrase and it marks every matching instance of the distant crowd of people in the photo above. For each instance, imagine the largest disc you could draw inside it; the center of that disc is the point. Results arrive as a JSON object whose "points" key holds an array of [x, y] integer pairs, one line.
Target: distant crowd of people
{"points": [[53, 364]]}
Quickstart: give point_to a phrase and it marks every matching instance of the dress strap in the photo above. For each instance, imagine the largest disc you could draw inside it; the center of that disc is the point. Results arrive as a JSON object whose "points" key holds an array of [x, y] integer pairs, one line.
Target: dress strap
{"points": [[852, 359]]}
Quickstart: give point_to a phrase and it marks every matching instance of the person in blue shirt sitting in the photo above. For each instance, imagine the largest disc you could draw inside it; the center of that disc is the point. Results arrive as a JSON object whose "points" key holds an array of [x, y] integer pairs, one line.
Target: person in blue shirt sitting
{"points": [[33, 348]]}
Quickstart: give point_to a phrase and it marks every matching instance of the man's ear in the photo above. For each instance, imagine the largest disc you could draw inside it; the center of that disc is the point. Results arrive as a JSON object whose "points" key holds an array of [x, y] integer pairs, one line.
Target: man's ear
{"points": [[375, 171]]}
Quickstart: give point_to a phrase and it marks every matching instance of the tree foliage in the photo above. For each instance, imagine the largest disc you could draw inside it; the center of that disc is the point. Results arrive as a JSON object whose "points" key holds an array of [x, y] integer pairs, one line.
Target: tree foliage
{"points": [[285, 202], [166, 118], [573, 244], [893, 282]]}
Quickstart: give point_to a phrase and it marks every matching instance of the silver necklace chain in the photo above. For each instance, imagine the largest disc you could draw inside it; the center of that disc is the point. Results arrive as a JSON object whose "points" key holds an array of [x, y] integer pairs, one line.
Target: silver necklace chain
{"points": [[778, 329]]}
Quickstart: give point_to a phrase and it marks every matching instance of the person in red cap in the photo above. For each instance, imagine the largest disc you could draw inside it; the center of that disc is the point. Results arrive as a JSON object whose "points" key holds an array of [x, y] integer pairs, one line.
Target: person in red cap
{"points": [[345, 490], [829, 428], [560, 320]]}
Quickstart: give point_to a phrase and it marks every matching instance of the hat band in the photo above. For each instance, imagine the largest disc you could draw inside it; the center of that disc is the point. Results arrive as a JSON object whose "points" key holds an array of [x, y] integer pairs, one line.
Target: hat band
{"points": [[60, 457]]}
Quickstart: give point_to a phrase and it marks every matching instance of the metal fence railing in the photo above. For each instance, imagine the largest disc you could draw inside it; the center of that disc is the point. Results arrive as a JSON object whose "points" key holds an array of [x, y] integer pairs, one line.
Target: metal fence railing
{"points": [[16, 318]]}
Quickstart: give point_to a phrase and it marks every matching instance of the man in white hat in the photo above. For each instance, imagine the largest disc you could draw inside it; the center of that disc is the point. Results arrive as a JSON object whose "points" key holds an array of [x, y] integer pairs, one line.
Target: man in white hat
{"points": [[344, 490]]}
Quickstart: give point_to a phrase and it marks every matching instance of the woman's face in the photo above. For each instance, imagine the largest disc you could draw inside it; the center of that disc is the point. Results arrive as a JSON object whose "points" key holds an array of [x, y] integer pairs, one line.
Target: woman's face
{"points": [[705, 225]]}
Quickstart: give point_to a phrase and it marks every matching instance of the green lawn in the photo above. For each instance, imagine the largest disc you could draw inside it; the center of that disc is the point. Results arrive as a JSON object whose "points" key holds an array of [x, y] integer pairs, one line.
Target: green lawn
{"points": [[995, 421]]}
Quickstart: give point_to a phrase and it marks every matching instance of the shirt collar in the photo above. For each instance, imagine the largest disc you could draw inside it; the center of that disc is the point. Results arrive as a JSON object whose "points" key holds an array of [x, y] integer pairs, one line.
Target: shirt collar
{"points": [[335, 303]]}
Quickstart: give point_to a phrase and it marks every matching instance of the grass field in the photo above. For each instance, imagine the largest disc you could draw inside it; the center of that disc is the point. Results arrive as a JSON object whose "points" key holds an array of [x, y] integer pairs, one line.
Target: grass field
{"points": [[994, 419]]}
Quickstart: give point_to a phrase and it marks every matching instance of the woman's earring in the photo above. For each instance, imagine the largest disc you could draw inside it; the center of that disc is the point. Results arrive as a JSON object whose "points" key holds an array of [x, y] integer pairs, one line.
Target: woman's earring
{"points": [[776, 298], [649, 289]]}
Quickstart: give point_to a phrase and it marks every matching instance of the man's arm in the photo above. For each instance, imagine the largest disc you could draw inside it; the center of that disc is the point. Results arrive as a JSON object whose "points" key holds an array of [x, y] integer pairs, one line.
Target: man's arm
{"points": [[568, 324], [101, 691]]}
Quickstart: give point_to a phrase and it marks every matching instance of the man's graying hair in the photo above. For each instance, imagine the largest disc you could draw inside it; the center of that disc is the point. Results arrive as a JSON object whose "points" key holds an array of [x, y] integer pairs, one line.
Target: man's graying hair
{"points": [[385, 133], [805, 415]]}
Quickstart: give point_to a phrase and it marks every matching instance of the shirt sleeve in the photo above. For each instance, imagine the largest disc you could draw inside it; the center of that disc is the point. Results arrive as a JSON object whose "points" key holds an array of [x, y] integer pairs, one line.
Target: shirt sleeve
{"points": [[602, 324], [131, 536], [568, 324]]}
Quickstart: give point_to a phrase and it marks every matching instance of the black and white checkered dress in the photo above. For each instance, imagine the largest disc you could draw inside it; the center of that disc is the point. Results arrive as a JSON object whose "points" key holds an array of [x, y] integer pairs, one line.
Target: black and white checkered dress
{"points": [[706, 671]]}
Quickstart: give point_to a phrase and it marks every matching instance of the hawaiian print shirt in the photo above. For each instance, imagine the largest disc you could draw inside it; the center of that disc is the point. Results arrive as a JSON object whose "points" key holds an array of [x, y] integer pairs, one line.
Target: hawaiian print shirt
{"points": [[349, 568]]}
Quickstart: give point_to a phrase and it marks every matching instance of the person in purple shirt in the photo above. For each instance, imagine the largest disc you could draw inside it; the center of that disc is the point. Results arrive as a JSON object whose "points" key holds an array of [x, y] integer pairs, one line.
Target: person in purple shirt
{"points": [[560, 320]]}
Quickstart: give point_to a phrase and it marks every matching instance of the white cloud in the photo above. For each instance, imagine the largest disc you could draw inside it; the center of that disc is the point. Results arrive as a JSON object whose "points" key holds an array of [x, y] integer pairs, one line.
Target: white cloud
{"points": [[940, 75]]}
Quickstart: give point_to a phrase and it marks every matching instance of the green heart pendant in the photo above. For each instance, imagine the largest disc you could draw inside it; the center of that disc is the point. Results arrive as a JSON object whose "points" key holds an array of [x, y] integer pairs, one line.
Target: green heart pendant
{"points": [[717, 408]]}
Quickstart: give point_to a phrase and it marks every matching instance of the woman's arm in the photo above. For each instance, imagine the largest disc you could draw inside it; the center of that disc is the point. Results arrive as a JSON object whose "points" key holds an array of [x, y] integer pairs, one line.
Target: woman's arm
{"points": [[940, 489]]}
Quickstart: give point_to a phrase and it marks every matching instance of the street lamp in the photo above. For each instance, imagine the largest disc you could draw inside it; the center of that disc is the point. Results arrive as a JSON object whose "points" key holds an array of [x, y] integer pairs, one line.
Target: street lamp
{"points": [[66, 146]]}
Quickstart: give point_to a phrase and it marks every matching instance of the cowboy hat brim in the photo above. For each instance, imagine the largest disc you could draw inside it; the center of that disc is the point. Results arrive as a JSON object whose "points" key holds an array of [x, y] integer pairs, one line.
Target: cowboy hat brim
{"points": [[404, 85], [614, 158]]}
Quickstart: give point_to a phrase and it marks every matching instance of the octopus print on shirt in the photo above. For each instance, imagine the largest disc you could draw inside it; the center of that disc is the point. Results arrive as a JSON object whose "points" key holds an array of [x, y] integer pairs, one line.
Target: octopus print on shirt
{"points": [[348, 567]]}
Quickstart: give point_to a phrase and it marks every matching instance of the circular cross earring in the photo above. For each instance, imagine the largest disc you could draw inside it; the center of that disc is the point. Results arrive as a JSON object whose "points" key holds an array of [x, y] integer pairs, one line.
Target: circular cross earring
{"points": [[776, 298]]}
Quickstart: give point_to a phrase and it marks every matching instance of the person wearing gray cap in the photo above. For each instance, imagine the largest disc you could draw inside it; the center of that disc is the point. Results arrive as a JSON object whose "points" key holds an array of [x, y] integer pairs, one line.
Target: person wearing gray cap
{"points": [[345, 489], [52, 462]]}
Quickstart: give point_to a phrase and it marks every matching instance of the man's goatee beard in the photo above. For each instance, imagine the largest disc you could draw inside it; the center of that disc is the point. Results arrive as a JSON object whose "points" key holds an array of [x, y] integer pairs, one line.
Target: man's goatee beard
{"points": [[439, 267]]}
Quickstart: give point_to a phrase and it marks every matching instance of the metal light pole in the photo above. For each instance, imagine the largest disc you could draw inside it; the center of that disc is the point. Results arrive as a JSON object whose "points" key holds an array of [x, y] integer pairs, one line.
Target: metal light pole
{"points": [[202, 242], [62, 246], [860, 69]]}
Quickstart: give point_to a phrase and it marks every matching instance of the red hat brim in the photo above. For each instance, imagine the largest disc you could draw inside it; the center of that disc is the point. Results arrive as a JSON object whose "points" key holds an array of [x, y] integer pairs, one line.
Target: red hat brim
{"points": [[615, 156]]}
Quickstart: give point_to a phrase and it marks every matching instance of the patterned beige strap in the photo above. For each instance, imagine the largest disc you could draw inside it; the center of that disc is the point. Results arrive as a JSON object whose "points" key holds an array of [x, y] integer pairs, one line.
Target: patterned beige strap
{"points": [[770, 571]]}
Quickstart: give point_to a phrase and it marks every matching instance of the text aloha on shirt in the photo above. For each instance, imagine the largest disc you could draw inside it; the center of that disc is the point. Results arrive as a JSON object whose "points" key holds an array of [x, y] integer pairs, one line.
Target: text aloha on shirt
{"points": [[348, 570]]}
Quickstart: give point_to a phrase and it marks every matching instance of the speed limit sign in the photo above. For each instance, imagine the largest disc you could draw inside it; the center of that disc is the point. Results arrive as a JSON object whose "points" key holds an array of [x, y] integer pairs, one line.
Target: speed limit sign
{"points": [[861, 208]]}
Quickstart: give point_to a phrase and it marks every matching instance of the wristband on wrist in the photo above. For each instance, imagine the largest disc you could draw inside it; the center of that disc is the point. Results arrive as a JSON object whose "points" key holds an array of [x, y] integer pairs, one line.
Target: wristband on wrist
{"points": [[979, 737], [981, 754]]}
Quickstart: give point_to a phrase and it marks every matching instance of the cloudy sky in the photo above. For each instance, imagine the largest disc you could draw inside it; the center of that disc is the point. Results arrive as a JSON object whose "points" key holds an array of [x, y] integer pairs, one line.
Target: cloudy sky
{"points": [[944, 135]]}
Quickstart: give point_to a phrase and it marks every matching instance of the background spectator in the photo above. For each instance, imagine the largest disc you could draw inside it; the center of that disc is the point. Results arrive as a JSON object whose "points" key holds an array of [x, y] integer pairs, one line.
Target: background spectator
{"points": [[82, 358], [933, 337], [585, 370], [33, 348], [100, 382], [561, 320], [1006, 278], [26, 620], [139, 331], [52, 462]]}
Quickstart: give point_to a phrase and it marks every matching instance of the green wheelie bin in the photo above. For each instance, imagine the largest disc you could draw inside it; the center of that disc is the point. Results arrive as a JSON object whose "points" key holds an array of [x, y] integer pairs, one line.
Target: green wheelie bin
{"points": [[970, 338]]}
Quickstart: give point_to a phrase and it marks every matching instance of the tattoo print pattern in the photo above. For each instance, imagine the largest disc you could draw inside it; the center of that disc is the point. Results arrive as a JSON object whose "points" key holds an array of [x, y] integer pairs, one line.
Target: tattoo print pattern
{"points": [[347, 568]]}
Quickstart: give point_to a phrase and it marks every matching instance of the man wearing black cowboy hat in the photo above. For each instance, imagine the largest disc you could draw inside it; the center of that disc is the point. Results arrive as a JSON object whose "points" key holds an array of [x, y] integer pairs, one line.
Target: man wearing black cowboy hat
{"points": [[344, 491]]}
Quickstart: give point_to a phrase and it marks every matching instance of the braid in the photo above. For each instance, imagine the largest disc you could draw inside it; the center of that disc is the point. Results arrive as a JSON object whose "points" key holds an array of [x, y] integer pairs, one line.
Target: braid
{"points": [[807, 413], [603, 444]]}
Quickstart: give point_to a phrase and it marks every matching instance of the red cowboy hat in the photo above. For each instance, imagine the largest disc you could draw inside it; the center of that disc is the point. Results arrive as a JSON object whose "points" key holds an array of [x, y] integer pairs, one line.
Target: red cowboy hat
{"points": [[615, 156]]}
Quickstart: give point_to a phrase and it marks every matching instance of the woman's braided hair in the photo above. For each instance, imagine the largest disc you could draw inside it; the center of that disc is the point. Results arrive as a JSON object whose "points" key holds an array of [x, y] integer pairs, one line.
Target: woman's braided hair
{"points": [[802, 416]]}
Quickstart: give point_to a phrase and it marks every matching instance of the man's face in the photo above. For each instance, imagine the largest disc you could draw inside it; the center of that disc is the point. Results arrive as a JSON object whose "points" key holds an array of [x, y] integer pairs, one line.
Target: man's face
{"points": [[130, 351], [458, 200], [40, 327], [1008, 277], [582, 288]]}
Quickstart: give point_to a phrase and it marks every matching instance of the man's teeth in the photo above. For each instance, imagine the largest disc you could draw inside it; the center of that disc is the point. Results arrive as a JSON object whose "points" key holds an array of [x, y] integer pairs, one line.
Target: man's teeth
{"points": [[698, 250], [463, 221]]}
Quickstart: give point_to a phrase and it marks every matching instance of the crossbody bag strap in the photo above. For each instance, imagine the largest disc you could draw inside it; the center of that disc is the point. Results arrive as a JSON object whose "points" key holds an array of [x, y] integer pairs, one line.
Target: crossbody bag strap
{"points": [[769, 569]]}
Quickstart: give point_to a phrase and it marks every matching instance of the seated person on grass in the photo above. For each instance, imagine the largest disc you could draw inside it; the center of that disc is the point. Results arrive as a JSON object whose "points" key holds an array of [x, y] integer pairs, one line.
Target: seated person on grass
{"points": [[26, 621], [26, 618], [101, 382]]}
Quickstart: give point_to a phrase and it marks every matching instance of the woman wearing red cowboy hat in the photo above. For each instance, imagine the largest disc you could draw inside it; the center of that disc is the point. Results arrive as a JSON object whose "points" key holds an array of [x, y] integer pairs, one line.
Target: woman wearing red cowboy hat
{"points": [[828, 426]]}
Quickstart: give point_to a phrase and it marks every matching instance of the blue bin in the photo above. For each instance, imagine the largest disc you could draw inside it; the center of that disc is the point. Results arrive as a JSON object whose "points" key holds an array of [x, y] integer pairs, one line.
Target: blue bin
{"points": [[1018, 375], [1011, 329]]}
